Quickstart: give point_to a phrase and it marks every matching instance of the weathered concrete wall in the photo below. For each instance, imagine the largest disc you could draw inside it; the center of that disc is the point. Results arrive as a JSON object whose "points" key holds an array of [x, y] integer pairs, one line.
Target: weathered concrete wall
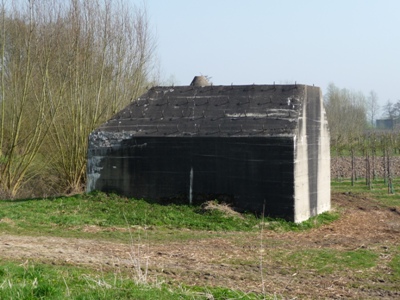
{"points": [[312, 159], [261, 146], [301, 176], [324, 180]]}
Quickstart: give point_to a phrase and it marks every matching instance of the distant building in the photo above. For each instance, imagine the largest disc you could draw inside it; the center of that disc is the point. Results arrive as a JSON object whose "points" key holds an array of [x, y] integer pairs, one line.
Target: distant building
{"points": [[265, 147], [388, 124]]}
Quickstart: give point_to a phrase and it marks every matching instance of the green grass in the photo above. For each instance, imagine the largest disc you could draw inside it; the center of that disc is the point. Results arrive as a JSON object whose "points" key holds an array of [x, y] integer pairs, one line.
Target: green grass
{"points": [[69, 216], [330, 260], [38, 281], [313, 222], [395, 266], [378, 192]]}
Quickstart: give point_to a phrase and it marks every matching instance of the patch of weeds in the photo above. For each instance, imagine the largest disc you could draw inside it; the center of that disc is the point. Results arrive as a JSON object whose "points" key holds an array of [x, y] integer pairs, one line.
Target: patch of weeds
{"points": [[379, 190], [329, 260], [67, 216], [358, 259], [71, 216], [316, 221], [224, 293], [313, 222], [29, 281], [240, 262], [395, 266]]}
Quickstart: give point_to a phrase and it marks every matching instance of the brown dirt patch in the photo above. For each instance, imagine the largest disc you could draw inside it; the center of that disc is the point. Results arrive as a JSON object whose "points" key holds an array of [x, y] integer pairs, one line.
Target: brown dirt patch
{"points": [[7, 221], [341, 166], [237, 260]]}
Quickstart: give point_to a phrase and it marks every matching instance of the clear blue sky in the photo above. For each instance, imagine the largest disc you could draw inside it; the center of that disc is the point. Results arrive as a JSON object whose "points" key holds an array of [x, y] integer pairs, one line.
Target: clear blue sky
{"points": [[353, 43]]}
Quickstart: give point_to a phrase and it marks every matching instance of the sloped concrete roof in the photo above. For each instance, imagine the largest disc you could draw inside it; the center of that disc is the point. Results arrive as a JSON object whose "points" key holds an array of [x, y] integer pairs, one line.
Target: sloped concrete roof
{"points": [[200, 81], [218, 111]]}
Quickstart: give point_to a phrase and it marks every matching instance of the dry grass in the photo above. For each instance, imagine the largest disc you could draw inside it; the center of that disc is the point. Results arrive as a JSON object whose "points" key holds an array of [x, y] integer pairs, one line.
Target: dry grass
{"points": [[224, 208]]}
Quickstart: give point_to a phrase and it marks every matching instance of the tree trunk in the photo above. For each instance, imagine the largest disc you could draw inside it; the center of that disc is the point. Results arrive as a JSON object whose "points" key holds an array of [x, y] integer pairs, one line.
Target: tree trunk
{"points": [[353, 171]]}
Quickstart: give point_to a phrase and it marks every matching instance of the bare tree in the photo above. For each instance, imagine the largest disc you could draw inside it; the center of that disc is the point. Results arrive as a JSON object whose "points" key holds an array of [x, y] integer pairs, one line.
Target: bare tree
{"points": [[109, 52], [346, 113], [389, 109], [25, 104], [66, 67], [372, 107]]}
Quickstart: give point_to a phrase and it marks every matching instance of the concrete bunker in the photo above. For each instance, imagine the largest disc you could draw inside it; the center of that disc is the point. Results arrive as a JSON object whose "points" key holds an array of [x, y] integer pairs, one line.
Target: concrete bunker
{"points": [[265, 146]]}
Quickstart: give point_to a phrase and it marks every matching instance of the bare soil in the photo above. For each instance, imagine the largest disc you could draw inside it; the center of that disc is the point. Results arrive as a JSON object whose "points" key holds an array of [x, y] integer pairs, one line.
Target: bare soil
{"points": [[341, 166], [237, 260]]}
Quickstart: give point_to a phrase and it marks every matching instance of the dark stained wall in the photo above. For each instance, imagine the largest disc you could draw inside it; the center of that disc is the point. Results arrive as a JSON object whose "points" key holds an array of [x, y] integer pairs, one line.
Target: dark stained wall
{"points": [[250, 170]]}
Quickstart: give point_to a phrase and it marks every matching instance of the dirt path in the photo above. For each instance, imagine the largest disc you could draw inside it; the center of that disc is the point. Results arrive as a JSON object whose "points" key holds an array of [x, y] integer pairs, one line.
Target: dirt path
{"points": [[234, 260]]}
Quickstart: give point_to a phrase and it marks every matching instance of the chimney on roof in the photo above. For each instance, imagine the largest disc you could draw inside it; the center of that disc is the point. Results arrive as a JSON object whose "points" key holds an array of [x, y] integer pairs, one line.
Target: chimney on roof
{"points": [[200, 81]]}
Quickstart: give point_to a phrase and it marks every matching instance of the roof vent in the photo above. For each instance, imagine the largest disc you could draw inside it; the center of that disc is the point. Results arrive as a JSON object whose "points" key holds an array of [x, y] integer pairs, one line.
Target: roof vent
{"points": [[200, 81]]}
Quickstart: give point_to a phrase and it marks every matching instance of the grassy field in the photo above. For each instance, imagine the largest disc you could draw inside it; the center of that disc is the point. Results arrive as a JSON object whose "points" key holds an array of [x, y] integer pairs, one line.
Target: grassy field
{"points": [[41, 281], [379, 190], [241, 256], [69, 216]]}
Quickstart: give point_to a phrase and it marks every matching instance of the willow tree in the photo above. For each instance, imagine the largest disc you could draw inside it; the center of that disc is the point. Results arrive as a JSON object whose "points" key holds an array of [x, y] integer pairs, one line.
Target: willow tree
{"points": [[66, 67], [107, 53], [26, 107]]}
